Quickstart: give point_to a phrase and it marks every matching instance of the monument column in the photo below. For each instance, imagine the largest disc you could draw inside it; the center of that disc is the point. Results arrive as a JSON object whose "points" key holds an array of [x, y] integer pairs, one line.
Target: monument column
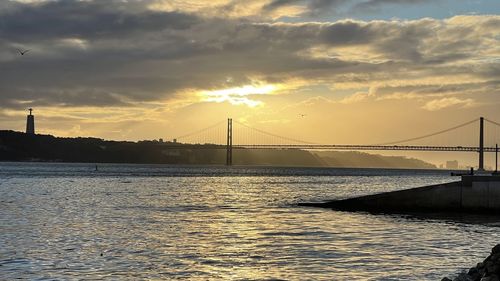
{"points": [[30, 123]]}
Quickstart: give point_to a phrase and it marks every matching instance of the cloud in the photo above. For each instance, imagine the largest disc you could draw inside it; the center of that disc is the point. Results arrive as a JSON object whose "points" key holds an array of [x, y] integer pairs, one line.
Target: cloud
{"points": [[85, 19], [443, 103], [309, 7], [374, 5], [359, 96], [119, 53]]}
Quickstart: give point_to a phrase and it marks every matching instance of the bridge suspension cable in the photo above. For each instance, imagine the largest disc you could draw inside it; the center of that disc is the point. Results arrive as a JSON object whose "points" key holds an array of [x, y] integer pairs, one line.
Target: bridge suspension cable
{"points": [[492, 129], [200, 131], [492, 122], [246, 135], [430, 135], [282, 138]]}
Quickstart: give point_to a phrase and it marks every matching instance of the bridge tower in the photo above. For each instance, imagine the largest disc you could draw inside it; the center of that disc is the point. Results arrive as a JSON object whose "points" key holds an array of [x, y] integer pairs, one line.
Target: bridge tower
{"points": [[229, 147], [481, 144], [30, 123]]}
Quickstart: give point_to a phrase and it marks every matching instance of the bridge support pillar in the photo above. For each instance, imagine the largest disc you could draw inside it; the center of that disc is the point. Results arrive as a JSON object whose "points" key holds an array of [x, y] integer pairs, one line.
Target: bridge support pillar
{"points": [[229, 146], [481, 144]]}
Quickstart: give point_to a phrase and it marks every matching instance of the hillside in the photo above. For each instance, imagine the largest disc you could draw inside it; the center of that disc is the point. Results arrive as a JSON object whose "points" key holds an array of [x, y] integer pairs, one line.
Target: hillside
{"points": [[365, 160]]}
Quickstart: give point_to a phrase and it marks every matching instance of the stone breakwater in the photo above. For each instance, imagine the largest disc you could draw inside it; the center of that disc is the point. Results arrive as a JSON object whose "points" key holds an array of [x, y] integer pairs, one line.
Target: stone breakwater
{"points": [[488, 270]]}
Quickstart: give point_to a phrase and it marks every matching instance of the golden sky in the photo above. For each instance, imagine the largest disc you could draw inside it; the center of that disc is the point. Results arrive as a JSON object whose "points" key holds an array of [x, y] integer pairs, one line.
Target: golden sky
{"points": [[361, 71]]}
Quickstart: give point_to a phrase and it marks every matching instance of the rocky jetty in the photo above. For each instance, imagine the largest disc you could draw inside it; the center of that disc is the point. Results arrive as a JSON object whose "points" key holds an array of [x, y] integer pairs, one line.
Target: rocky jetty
{"points": [[488, 270]]}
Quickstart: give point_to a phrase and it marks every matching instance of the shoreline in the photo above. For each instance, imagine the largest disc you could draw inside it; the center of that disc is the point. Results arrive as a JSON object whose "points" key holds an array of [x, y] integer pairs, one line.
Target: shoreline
{"points": [[235, 166]]}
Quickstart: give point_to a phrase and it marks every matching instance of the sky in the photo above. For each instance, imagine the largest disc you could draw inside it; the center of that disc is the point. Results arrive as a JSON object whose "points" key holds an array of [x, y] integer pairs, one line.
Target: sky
{"points": [[325, 71]]}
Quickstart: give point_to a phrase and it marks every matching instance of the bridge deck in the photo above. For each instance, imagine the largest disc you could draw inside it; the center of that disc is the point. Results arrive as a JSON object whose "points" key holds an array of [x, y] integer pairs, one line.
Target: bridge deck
{"points": [[369, 147], [335, 147]]}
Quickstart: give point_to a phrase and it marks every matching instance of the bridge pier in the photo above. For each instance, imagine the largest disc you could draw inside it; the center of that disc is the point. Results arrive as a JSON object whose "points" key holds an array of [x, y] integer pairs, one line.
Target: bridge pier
{"points": [[229, 146]]}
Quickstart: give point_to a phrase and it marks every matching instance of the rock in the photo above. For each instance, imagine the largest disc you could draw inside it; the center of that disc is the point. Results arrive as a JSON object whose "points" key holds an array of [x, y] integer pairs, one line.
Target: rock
{"points": [[495, 249], [473, 271], [490, 267], [490, 278], [495, 257], [488, 270], [462, 277], [474, 274]]}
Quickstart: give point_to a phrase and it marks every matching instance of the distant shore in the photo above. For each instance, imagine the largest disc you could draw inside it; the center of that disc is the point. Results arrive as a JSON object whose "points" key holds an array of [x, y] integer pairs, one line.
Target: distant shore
{"points": [[21, 147]]}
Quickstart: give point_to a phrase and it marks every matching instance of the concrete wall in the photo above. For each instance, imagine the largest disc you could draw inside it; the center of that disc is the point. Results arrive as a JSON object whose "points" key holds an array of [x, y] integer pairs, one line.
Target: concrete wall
{"points": [[472, 194], [475, 196], [494, 195], [481, 195]]}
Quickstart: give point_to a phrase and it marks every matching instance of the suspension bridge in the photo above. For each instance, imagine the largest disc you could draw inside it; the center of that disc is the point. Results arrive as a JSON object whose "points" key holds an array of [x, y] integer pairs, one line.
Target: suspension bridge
{"points": [[480, 135]]}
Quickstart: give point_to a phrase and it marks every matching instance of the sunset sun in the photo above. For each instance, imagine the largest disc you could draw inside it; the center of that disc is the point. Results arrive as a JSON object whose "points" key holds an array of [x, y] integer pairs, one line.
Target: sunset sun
{"points": [[245, 95]]}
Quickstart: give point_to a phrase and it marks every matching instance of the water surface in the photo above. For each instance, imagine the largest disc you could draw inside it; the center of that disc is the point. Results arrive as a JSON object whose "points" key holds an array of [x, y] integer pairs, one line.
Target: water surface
{"points": [[130, 222]]}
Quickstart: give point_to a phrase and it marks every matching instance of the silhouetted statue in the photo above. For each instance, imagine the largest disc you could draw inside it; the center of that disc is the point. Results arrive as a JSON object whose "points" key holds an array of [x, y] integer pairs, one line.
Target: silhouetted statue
{"points": [[30, 123]]}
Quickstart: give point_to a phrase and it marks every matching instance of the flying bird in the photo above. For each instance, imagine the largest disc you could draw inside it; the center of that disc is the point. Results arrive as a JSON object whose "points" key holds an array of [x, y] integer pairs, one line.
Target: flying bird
{"points": [[302, 115], [22, 52]]}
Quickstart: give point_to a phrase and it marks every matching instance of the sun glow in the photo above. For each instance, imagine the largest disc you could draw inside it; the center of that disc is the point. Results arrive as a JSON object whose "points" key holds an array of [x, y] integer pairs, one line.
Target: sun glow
{"points": [[238, 95]]}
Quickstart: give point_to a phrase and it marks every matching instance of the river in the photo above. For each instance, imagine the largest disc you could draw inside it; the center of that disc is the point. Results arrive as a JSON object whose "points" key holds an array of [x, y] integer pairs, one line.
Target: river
{"points": [[160, 222]]}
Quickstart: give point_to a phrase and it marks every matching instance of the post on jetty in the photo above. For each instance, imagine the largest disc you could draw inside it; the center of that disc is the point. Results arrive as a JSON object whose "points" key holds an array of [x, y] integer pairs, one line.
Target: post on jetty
{"points": [[481, 144], [496, 158]]}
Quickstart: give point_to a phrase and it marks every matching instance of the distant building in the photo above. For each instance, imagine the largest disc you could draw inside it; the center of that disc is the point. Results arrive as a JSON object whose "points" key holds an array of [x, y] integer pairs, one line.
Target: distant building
{"points": [[30, 123], [452, 165]]}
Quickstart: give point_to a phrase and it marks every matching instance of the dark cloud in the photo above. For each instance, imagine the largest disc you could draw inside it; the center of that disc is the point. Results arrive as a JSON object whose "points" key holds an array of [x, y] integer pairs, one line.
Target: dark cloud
{"points": [[321, 6], [89, 19], [374, 5], [276, 4], [349, 33], [422, 91]]}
